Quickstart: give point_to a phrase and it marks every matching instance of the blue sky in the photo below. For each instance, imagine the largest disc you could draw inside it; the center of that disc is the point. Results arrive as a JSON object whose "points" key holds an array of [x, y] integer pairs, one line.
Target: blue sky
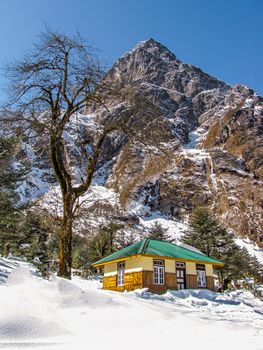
{"points": [[222, 37]]}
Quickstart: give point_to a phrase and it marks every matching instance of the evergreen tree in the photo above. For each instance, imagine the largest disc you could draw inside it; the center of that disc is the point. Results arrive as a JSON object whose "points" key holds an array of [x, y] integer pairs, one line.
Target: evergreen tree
{"points": [[206, 233], [8, 176], [34, 243], [8, 223], [105, 242], [211, 238], [22, 232], [256, 269], [80, 252], [236, 264], [158, 232], [99, 246], [10, 214]]}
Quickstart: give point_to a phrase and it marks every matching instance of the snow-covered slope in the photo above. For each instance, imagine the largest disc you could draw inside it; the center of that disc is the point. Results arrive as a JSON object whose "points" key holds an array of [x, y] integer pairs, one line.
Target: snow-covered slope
{"points": [[62, 314]]}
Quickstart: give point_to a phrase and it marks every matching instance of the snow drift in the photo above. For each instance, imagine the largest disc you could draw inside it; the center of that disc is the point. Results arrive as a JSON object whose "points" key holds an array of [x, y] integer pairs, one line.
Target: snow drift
{"points": [[58, 313]]}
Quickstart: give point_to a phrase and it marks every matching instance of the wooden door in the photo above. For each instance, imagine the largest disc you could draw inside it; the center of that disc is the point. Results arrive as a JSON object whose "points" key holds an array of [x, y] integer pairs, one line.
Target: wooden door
{"points": [[180, 275]]}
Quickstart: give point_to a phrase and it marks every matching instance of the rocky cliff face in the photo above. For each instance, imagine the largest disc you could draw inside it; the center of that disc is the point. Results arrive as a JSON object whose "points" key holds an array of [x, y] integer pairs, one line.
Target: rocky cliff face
{"points": [[212, 145], [181, 91], [218, 157]]}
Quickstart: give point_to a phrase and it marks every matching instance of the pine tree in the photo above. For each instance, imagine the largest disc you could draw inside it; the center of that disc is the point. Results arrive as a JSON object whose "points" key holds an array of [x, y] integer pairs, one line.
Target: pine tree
{"points": [[8, 220], [158, 232], [80, 252], [256, 269], [211, 238], [10, 214], [207, 234], [34, 243], [105, 242], [22, 232], [236, 264]]}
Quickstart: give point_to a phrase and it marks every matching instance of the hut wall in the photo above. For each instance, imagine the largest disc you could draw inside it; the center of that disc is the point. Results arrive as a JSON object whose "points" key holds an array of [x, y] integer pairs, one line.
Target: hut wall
{"points": [[139, 274]]}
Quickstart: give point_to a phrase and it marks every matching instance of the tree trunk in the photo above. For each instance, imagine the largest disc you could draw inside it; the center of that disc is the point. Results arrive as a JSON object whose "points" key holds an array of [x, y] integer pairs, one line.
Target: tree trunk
{"points": [[65, 246], [6, 249], [220, 275]]}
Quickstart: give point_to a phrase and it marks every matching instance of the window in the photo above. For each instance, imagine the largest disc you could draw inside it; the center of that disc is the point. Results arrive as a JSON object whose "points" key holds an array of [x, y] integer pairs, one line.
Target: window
{"points": [[200, 267], [201, 276], [120, 273], [180, 265], [158, 272]]}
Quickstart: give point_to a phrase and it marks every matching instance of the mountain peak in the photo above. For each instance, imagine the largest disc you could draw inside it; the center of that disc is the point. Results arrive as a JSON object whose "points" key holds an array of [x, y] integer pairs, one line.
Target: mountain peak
{"points": [[152, 63], [149, 43], [151, 46]]}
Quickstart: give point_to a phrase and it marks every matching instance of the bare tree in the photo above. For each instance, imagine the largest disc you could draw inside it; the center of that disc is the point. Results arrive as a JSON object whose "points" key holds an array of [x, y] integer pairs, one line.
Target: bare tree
{"points": [[59, 77]]}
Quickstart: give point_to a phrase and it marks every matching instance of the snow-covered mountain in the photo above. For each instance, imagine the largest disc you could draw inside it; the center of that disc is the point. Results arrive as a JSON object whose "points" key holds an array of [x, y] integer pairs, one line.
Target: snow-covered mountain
{"points": [[212, 135], [222, 167]]}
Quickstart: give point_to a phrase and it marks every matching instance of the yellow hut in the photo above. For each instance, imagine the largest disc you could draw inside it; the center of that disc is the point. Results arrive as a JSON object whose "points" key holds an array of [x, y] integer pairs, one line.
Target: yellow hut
{"points": [[158, 266]]}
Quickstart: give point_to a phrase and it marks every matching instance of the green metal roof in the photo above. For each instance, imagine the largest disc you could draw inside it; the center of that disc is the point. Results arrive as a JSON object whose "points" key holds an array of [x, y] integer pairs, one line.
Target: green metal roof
{"points": [[157, 248]]}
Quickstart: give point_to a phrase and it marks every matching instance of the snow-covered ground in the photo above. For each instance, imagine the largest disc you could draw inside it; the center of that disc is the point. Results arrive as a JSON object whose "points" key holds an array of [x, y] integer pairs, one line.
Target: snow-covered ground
{"points": [[195, 137], [61, 314], [175, 228], [252, 248]]}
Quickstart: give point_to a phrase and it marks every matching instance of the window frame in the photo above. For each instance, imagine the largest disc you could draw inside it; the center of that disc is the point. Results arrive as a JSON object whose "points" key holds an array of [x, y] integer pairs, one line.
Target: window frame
{"points": [[201, 268], [179, 265], [158, 272], [120, 274]]}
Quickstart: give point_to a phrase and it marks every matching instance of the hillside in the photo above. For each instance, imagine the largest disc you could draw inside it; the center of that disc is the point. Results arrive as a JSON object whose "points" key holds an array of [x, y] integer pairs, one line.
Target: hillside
{"points": [[57, 313], [212, 135]]}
